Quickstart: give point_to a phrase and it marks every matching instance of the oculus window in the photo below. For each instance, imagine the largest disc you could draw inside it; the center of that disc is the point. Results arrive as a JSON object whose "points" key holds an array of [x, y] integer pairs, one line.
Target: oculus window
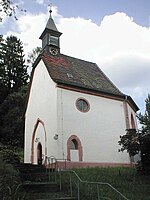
{"points": [[82, 105]]}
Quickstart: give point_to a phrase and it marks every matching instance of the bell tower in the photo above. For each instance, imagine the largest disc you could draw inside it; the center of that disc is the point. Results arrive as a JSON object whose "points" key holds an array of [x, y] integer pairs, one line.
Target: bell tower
{"points": [[50, 37]]}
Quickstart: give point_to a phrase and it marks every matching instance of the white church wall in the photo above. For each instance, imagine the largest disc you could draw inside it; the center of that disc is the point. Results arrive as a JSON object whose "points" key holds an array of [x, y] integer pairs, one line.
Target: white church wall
{"points": [[41, 105], [98, 129]]}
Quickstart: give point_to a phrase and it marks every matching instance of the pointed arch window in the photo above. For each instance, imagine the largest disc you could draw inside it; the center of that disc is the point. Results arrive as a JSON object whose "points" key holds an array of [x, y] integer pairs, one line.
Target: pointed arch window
{"points": [[74, 144], [132, 122]]}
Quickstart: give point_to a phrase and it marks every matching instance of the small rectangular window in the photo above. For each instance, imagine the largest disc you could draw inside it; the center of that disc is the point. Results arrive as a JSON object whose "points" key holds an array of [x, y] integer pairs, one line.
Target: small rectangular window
{"points": [[54, 40]]}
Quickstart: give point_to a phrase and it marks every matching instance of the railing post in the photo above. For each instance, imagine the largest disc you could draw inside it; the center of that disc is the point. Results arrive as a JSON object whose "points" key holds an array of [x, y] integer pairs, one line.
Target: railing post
{"points": [[46, 163], [78, 185], [60, 182], [70, 185], [65, 163], [49, 169], [55, 173], [98, 192]]}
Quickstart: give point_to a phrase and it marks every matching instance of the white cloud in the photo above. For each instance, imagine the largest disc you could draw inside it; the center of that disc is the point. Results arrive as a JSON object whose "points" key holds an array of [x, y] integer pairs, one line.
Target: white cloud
{"points": [[118, 45], [29, 29], [40, 1], [130, 72]]}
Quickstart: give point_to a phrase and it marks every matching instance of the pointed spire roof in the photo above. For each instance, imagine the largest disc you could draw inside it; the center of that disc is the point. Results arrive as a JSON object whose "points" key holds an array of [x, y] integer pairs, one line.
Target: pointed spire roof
{"points": [[50, 27], [50, 24]]}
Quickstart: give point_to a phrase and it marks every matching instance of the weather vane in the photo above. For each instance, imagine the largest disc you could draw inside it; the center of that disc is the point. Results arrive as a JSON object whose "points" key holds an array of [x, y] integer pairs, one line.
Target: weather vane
{"points": [[50, 10]]}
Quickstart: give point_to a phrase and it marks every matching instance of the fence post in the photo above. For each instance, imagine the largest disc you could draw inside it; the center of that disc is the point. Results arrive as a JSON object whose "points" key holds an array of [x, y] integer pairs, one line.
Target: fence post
{"points": [[49, 168], [55, 173], [60, 182], [78, 185], [46, 163], [98, 191], [70, 184]]}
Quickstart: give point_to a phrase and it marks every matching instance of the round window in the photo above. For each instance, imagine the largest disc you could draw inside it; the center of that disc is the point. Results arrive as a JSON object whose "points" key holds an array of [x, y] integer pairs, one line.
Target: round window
{"points": [[82, 105]]}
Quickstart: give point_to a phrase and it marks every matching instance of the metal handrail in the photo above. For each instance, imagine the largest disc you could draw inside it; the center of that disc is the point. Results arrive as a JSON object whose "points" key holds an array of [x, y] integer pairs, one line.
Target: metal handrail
{"points": [[53, 160], [91, 182], [50, 161]]}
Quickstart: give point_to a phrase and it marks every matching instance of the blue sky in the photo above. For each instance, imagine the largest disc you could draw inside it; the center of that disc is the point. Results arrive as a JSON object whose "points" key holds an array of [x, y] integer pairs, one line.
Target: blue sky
{"points": [[115, 34], [97, 9]]}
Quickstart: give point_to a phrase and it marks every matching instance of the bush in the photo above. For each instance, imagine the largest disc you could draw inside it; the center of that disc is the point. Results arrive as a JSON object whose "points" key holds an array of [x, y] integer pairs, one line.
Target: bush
{"points": [[9, 154], [9, 181]]}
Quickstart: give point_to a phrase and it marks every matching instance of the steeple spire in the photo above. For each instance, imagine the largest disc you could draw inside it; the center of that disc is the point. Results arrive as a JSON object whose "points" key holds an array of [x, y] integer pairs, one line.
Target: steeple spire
{"points": [[50, 23], [50, 35]]}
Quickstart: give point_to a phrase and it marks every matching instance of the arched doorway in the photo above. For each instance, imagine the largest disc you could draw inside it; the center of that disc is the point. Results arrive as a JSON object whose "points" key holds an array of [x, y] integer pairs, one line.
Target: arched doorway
{"points": [[39, 154], [39, 136]]}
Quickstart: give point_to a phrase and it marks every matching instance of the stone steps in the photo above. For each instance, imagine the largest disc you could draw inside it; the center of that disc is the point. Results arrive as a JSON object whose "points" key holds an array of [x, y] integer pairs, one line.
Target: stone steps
{"points": [[40, 187], [48, 196], [60, 198], [36, 185]]}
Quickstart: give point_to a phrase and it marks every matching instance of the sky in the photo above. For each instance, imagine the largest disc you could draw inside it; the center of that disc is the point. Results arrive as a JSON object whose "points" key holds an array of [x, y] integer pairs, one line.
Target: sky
{"points": [[115, 34]]}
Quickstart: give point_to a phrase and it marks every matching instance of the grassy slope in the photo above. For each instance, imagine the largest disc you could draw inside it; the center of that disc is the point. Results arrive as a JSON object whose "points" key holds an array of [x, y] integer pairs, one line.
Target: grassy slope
{"points": [[126, 180]]}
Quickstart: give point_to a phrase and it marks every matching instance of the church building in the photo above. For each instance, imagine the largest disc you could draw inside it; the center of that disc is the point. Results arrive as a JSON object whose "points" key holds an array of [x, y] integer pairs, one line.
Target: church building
{"points": [[74, 112]]}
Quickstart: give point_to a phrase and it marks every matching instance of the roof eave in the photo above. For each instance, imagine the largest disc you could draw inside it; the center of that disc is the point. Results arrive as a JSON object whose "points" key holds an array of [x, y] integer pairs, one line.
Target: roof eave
{"points": [[61, 83], [57, 33], [131, 101], [122, 96]]}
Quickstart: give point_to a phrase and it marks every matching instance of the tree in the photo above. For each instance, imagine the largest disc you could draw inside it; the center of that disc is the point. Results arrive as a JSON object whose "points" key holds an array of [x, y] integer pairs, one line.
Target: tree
{"points": [[32, 56], [13, 71], [136, 142], [130, 142], [9, 8], [13, 89], [145, 119], [12, 118], [145, 135]]}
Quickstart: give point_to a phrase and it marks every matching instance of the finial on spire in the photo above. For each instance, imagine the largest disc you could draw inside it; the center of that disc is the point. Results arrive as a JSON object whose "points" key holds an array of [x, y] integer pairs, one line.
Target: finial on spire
{"points": [[50, 10]]}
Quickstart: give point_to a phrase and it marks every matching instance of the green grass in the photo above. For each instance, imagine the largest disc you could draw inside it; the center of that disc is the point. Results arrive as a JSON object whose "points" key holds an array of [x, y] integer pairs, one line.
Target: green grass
{"points": [[131, 184]]}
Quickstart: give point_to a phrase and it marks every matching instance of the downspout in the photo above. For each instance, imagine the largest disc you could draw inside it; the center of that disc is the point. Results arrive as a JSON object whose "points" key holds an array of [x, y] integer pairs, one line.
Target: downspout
{"points": [[62, 123]]}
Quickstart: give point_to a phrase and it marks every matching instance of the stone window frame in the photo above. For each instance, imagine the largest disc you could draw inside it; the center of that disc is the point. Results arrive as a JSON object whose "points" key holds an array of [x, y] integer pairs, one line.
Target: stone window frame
{"points": [[85, 100]]}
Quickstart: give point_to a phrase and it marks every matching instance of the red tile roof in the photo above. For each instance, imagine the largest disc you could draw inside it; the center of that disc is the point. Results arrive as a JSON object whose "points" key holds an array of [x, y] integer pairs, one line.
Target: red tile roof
{"points": [[76, 72]]}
